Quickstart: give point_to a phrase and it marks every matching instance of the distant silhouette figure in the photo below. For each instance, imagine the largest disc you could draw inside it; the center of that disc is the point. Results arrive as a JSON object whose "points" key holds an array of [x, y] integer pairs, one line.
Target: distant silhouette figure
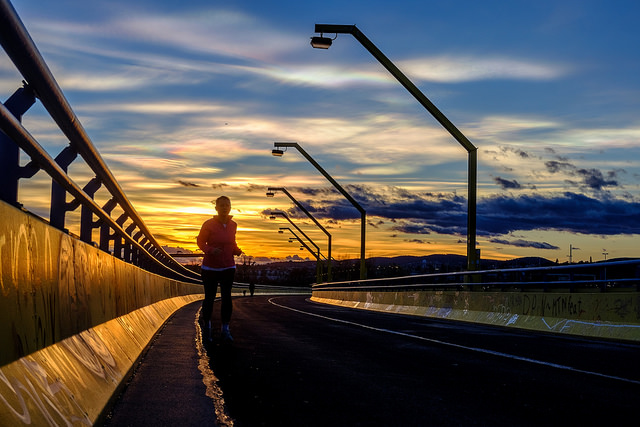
{"points": [[252, 288], [217, 239]]}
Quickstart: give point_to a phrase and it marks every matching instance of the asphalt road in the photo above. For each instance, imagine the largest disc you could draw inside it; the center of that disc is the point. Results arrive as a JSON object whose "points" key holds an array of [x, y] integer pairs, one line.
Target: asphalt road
{"points": [[298, 363]]}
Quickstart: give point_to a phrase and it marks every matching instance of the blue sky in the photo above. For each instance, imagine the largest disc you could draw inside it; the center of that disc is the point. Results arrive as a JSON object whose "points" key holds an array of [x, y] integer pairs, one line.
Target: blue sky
{"points": [[184, 100]]}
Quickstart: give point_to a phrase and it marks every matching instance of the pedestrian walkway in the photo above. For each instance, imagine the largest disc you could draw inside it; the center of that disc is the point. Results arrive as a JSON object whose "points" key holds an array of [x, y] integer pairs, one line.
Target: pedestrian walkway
{"points": [[167, 387]]}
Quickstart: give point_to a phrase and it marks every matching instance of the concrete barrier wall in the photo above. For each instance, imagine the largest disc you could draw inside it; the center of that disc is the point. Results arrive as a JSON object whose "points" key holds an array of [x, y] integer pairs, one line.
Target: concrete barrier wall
{"points": [[611, 315], [74, 321], [72, 381], [53, 286]]}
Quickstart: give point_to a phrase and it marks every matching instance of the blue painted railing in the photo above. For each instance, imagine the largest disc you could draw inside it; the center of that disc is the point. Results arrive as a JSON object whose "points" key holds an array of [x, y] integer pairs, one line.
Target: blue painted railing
{"points": [[126, 236]]}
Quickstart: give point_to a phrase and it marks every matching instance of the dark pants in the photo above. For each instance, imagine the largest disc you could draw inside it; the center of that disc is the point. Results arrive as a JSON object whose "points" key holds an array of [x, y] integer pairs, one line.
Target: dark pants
{"points": [[210, 280]]}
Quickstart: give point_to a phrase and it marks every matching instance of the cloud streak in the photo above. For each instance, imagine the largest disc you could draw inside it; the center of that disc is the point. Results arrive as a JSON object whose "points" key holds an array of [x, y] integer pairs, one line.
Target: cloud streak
{"points": [[466, 68], [520, 243]]}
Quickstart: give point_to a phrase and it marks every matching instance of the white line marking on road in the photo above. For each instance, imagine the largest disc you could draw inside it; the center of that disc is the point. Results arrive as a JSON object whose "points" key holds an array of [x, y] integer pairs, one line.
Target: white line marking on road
{"points": [[464, 347]]}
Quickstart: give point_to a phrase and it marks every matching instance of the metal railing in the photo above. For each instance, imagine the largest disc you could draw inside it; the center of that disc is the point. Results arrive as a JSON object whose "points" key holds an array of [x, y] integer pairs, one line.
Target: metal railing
{"points": [[598, 276], [273, 289], [127, 236]]}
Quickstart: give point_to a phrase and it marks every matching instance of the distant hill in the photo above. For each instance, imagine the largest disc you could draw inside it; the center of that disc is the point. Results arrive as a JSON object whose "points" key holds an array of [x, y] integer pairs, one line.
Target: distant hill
{"points": [[452, 261], [526, 262], [449, 259]]}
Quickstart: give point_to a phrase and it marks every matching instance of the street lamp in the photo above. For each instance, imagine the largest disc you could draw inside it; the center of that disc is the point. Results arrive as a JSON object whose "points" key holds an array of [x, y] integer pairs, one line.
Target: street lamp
{"points": [[305, 246], [318, 267], [363, 213], [321, 42], [285, 216], [271, 191], [472, 257], [317, 254]]}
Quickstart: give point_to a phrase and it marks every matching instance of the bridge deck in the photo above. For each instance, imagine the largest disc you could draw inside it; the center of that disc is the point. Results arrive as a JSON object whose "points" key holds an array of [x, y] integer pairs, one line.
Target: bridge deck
{"points": [[295, 362]]}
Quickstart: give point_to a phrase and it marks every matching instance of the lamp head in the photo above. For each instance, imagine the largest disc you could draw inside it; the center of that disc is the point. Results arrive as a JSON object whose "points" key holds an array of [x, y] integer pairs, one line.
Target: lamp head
{"points": [[270, 194], [277, 152], [321, 42], [272, 217]]}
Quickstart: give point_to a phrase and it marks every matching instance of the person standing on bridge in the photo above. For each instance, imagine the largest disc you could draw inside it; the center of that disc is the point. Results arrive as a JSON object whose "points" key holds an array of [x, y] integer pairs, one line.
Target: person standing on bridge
{"points": [[217, 239]]}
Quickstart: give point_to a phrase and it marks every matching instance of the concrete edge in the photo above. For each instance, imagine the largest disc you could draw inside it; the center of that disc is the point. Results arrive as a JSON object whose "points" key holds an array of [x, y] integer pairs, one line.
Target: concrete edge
{"points": [[588, 328], [71, 382]]}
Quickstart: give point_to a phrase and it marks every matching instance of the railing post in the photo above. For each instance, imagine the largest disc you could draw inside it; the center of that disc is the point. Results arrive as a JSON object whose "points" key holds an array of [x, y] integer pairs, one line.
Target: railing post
{"points": [[117, 238], [146, 245], [136, 253], [58, 206], [128, 249], [105, 238], [18, 104], [86, 215]]}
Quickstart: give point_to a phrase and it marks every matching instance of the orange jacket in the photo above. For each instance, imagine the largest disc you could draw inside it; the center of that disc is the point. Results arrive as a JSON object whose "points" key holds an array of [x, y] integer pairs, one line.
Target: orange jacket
{"points": [[214, 235]]}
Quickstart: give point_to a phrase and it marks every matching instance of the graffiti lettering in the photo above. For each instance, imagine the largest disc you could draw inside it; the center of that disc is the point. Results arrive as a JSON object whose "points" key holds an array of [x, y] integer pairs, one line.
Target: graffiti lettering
{"points": [[623, 307], [550, 305], [562, 306], [529, 304]]}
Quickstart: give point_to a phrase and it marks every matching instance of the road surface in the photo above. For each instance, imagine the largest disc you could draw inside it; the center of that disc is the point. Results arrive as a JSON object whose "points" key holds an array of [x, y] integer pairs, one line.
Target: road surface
{"points": [[298, 363]]}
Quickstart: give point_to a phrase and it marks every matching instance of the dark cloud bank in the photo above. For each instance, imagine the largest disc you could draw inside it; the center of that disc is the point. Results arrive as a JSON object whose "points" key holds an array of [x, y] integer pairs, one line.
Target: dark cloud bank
{"points": [[498, 215]]}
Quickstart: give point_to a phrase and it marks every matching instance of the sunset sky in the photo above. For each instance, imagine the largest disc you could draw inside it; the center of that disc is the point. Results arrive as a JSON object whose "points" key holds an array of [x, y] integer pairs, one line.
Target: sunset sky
{"points": [[184, 100]]}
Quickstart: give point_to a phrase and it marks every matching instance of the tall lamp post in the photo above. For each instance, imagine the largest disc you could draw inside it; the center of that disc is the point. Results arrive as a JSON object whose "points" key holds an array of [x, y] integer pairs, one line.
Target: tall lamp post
{"points": [[285, 216], [273, 216], [363, 214], [316, 254], [305, 246], [271, 192], [324, 43]]}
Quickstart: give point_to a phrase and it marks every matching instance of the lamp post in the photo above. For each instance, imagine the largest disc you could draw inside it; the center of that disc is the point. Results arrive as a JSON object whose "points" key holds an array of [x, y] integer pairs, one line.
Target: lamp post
{"points": [[285, 216], [273, 216], [304, 245], [324, 43], [271, 192], [363, 214], [316, 254]]}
